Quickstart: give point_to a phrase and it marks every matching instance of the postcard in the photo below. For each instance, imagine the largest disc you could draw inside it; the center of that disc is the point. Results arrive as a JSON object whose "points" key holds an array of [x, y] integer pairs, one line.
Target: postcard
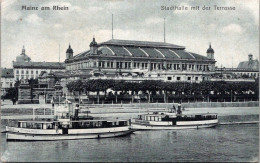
{"points": [[130, 81]]}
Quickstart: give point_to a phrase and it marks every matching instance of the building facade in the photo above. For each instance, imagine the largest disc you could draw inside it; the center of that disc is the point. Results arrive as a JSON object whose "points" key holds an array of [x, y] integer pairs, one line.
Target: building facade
{"points": [[24, 68], [245, 71], [7, 79], [140, 60]]}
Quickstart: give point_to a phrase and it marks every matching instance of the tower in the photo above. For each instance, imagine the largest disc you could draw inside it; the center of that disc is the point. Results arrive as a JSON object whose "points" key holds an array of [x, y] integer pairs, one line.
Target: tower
{"points": [[69, 53], [93, 47], [250, 57], [210, 52], [23, 51], [23, 57]]}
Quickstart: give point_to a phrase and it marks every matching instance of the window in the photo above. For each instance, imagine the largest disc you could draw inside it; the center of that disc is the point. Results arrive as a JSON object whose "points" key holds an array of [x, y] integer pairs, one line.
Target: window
{"points": [[27, 72], [11, 84], [37, 72], [32, 72], [108, 64], [129, 64], [134, 65], [169, 78], [189, 78], [178, 66], [17, 71], [125, 64], [178, 78], [196, 78], [142, 65], [22, 72]]}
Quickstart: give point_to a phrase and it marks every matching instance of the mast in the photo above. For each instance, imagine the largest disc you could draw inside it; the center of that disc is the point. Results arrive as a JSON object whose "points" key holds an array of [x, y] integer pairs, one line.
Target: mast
{"points": [[59, 52], [112, 27], [164, 29]]}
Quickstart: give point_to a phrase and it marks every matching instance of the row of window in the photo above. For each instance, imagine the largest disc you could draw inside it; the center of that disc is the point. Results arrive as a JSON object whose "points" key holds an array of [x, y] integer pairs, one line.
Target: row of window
{"points": [[7, 84], [178, 78], [139, 65], [249, 74], [26, 72], [25, 77]]}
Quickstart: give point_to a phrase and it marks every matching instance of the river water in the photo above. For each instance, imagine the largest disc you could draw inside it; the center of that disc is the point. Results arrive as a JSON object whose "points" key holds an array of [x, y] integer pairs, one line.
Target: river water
{"points": [[222, 143]]}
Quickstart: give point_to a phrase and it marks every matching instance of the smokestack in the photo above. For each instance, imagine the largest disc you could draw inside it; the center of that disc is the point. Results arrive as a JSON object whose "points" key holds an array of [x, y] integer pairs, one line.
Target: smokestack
{"points": [[76, 115]]}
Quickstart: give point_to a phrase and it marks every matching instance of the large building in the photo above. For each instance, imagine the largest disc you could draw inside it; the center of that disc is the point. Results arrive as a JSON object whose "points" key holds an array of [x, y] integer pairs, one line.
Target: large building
{"points": [[140, 60], [7, 79], [24, 68], [245, 71]]}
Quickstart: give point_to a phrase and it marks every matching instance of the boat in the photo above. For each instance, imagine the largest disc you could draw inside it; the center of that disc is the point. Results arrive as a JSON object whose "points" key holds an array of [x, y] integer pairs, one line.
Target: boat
{"points": [[173, 120], [67, 126]]}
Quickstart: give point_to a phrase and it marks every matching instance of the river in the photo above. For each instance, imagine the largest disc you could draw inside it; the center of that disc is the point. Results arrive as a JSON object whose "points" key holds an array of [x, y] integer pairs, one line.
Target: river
{"points": [[223, 143]]}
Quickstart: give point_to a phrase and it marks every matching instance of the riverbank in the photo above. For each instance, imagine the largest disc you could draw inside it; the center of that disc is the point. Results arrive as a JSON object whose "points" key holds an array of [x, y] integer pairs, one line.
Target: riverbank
{"points": [[6, 104]]}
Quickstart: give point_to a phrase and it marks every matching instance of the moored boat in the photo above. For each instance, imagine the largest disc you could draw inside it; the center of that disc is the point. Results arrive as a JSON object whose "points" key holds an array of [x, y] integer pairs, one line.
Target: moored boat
{"points": [[173, 120], [68, 126]]}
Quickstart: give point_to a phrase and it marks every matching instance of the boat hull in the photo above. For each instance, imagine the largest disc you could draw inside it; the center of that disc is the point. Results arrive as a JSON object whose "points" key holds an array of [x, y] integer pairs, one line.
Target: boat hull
{"points": [[72, 135], [187, 125]]}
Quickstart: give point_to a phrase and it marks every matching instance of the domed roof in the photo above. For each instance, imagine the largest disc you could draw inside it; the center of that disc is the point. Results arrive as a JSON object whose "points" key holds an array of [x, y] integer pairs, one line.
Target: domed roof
{"points": [[23, 57], [69, 50], [93, 43], [210, 50]]}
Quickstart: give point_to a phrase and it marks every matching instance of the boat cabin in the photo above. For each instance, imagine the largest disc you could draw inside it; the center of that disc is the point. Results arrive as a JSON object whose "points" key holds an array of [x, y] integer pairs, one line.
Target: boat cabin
{"points": [[156, 116], [80, 124], [36, 124]]}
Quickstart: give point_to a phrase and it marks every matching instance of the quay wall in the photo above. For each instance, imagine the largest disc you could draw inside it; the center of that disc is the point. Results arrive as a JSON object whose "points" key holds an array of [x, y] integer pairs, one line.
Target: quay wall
{"points": [[185, 105]]}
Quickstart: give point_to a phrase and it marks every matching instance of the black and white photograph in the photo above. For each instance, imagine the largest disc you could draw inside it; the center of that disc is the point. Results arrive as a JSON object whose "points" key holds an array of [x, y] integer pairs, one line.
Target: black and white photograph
{"points": [[129, 80]]}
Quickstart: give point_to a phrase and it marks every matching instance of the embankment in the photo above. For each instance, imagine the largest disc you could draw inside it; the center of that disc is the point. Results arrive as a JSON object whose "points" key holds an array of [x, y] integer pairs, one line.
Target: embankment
{"points": [[185, 105]]}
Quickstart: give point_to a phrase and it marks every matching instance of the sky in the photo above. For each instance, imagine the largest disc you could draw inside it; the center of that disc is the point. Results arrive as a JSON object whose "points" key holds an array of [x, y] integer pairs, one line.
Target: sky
{"points": [[233, 34]]}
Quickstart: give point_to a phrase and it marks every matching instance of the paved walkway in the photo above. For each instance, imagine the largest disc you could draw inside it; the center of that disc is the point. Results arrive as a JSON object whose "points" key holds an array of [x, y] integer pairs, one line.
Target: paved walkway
{"points": [[20, 117]]}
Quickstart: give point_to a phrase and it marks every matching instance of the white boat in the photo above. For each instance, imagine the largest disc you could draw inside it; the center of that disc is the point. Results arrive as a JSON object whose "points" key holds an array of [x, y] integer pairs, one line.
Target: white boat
{"points": [[67, 127], [173, 120]]}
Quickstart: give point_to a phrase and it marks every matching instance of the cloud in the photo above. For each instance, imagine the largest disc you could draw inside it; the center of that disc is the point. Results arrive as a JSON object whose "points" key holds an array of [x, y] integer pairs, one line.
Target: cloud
{"points": [[253, 7], [8, 12], [58, 26], [233, 28], [153, 20], [33, 19]]}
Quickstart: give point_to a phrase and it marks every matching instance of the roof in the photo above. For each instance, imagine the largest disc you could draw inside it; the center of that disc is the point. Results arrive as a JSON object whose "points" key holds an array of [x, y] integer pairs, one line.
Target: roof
{"points": [[148, 52], [210, 50], [7, 73], [140, 44], [39, 65], [142, 49], [253, 64], [69, 50], [93, 42]]}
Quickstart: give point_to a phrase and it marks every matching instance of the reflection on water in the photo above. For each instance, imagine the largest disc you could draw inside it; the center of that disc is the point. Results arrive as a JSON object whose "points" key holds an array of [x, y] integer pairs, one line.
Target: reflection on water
{"points": [[222, 143]]}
